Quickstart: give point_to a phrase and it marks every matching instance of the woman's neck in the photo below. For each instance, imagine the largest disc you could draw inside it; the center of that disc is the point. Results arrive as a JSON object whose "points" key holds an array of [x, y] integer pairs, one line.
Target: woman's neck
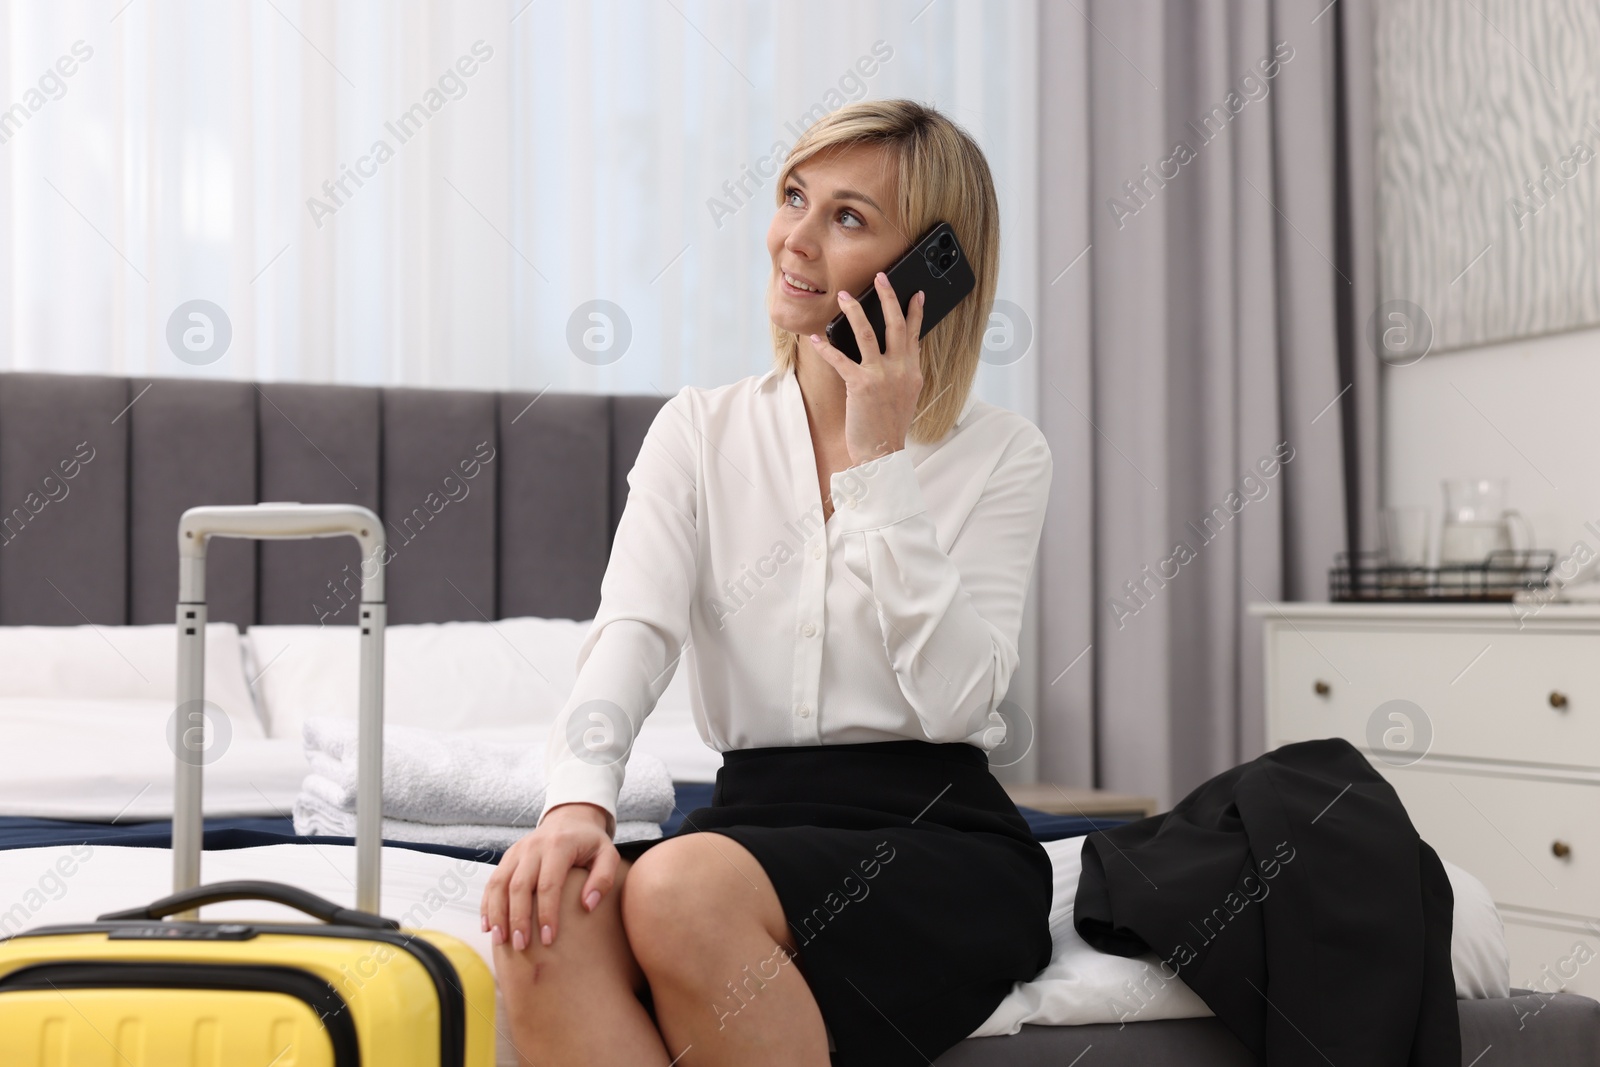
{"points": [[824, 394]]}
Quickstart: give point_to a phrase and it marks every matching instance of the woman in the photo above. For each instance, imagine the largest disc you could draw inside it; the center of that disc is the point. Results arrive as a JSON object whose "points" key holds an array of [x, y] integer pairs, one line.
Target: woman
{"points": [[861, 884]]}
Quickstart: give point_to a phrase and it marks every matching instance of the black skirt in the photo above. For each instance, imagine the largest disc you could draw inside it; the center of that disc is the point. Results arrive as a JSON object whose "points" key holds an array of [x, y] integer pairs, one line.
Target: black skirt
{"points": [[915, 893]]}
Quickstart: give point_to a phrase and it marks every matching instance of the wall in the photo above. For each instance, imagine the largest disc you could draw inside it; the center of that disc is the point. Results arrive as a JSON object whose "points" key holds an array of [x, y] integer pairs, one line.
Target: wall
{"points": [[1486, 128], [1525, 410]]}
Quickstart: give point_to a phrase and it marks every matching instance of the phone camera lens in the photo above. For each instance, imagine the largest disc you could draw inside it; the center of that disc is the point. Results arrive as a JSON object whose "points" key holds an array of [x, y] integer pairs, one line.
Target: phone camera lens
{"points": [[945, 240], [946, 260]]}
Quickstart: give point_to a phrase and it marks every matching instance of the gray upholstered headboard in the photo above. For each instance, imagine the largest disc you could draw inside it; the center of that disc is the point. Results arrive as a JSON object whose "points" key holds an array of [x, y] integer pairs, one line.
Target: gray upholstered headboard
{"points": [[494, 508]]}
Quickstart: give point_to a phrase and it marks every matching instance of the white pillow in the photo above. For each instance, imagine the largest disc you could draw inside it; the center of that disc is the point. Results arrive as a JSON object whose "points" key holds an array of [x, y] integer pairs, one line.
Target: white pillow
{"points": [[443, 676], [512, 676], [1084, 985], [1478, 952], [123, 663]]}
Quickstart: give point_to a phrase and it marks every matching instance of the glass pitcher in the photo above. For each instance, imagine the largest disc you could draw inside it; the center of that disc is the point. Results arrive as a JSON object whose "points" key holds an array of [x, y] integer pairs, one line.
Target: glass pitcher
{"points": [[1477, 522]]}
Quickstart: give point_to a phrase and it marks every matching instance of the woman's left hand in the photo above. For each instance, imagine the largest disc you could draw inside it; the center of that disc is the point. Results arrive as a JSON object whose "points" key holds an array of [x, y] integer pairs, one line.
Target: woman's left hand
{"points": [[881, 391]]}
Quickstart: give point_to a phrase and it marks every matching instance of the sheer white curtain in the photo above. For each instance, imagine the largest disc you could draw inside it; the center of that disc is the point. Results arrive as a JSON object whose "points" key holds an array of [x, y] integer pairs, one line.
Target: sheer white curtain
{"points": [[431, 193]]}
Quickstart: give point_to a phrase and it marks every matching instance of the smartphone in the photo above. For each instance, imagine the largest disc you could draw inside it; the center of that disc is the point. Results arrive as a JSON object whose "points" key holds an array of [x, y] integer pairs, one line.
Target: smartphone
{"points": [[935, 265]]}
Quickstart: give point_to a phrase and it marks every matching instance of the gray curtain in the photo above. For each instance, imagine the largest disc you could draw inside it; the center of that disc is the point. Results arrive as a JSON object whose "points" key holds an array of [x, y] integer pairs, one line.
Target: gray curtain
{"points": [[1201, 335]]}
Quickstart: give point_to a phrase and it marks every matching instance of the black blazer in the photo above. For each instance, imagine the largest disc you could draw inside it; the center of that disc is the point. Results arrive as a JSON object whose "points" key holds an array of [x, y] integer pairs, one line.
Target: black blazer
{"points": [[1293, 895]]}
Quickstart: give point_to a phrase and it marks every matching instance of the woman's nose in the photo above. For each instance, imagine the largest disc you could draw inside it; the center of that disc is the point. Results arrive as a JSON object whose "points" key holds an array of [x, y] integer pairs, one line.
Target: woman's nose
{"points": [[802, 237]]}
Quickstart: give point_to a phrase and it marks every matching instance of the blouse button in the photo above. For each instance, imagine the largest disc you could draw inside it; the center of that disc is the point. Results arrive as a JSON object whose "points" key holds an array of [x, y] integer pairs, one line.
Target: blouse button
{"points": [[816, 551], [849, 501], [804, 711], [808, 629]]}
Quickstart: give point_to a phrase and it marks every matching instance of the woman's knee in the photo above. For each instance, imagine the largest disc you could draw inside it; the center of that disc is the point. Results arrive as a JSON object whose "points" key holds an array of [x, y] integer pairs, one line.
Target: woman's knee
{"points": [[687, 895], [589, 947]]}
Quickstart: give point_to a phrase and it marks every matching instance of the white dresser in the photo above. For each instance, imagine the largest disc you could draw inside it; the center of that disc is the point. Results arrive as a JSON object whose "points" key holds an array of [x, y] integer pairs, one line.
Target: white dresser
{"points": [[1486, 720]]}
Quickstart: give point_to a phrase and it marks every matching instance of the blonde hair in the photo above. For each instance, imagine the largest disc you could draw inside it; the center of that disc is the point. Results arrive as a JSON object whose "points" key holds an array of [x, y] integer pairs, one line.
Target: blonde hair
{"points": [[942, 175]]}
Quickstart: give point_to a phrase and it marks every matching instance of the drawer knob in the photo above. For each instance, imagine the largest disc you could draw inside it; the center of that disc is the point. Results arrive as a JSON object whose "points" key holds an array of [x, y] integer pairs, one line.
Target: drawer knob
{"points": [[1560, 850], [1558, 699], [1322, 688]]}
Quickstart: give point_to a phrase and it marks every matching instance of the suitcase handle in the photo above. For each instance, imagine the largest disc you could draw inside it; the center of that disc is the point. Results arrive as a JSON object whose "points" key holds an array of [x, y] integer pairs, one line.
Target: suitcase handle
{"points": [[275, 892], [280, 521]]}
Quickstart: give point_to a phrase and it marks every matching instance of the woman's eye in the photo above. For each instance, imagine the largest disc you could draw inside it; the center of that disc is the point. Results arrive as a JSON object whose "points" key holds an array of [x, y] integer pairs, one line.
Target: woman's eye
{"points": [[791, 192]]}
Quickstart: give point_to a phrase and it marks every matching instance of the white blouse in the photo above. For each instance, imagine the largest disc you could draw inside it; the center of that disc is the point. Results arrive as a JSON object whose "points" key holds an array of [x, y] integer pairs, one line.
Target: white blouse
{"points": [[896, 618]]}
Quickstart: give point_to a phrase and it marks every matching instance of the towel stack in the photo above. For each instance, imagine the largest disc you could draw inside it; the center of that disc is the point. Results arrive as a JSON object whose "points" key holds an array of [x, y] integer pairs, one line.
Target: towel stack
{"points": [[454, 789]]}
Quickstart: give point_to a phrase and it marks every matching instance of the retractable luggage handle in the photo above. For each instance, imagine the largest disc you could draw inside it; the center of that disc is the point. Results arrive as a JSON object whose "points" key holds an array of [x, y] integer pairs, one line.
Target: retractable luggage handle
{"points": [[267, 522]]}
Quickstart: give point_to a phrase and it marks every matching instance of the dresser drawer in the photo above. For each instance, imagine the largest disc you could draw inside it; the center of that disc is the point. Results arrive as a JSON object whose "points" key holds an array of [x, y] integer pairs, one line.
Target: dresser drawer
{"points": [[1549, 958], [1521, 697], [1507, 831]]}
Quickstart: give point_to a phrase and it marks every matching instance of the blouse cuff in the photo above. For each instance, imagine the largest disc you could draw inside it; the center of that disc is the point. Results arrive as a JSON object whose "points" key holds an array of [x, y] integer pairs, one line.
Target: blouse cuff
{"points": [[879, 492], [575, 781]]}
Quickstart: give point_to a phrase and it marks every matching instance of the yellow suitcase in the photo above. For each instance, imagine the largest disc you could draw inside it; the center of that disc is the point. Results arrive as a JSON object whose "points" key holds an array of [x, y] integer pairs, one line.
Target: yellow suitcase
{"points": [[155, 987], [133, 990]]}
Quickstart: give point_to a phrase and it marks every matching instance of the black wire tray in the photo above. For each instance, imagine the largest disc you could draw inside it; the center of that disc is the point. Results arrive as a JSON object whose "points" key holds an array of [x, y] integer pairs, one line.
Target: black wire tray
{"points": [[1500, 577]]}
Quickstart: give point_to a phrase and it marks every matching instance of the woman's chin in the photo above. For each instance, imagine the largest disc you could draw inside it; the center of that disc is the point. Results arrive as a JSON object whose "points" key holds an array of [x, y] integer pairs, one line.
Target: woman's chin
{"points": [[787, 320]]}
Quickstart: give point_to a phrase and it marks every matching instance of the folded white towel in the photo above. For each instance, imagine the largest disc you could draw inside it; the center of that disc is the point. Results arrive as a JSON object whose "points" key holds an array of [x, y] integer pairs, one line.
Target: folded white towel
{"points": [[313, 815], [450, 779]]}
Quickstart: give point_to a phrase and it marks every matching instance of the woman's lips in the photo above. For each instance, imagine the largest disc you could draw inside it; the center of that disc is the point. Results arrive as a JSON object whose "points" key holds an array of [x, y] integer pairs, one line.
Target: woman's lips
{"points": [[792, 291]]}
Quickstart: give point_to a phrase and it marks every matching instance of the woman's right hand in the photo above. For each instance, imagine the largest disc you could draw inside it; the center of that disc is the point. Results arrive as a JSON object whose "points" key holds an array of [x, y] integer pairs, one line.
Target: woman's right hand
{"points": [[533, 870]]}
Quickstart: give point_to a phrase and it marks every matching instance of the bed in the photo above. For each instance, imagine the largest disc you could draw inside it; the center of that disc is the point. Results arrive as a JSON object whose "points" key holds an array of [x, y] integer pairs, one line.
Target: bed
{"points": [[525, 536]]}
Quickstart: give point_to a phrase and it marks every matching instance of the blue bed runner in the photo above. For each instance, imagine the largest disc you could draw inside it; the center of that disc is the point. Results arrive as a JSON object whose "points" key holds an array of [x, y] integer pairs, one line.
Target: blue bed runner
{"points": [[21, 832]]}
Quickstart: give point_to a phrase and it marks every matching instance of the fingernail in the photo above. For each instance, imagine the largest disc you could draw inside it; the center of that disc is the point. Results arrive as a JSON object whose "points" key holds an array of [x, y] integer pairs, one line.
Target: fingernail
{"points": [[497, 936], [545, 935], [845, 297], [518, 941], [592, 899], [921, 298], [816, 339], [882, 277], [484, 919]]}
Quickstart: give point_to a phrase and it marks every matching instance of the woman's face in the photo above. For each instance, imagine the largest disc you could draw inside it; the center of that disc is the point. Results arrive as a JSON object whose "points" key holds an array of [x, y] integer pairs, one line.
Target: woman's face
{"points": [[836, 227]]}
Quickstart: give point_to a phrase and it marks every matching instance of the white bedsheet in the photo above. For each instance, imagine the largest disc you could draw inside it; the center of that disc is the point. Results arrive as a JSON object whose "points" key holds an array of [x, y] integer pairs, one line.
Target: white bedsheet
{"points": [[109, 760], [439, 893]]}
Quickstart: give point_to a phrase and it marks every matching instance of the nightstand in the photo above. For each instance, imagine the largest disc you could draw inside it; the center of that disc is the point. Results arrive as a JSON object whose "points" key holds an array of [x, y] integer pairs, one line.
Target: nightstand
{"points": [[1486, 720], [1070, 800]]}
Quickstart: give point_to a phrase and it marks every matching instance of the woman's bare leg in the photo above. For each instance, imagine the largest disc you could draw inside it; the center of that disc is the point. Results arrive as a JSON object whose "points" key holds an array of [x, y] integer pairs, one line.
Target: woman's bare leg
{"points": [[575, 1003], [706, 927]]}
